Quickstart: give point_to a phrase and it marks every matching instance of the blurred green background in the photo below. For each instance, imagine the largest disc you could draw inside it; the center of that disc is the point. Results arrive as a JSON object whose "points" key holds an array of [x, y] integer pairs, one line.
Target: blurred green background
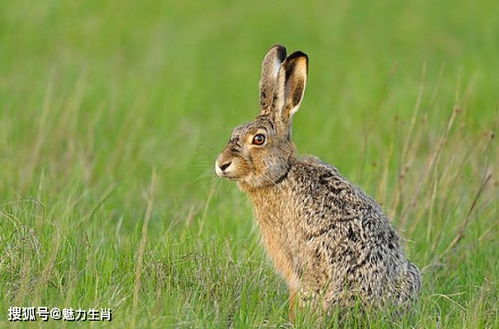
{"points": [[108, 106]]}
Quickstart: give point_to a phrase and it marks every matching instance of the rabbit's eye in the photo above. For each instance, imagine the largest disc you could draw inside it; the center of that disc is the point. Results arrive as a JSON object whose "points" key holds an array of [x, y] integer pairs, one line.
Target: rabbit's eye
{"points": [[259, 139]]}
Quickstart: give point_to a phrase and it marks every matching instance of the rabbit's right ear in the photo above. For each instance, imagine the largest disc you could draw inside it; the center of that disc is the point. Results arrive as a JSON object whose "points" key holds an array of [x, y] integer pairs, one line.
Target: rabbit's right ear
{"points": [[291, 81], [270, 69]]}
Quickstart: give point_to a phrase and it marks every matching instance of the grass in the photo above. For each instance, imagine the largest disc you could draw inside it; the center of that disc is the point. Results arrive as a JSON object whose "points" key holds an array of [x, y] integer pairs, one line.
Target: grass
{"points": [[112, 113]]}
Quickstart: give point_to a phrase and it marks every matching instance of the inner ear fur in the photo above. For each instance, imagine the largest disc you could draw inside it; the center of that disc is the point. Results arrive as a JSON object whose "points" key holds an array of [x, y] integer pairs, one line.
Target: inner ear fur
{"points": [[296, 67], [291, 82]]}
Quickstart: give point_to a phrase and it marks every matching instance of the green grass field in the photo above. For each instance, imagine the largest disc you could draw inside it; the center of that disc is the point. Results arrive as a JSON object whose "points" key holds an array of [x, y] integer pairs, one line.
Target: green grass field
{"points": [[112, 114]]}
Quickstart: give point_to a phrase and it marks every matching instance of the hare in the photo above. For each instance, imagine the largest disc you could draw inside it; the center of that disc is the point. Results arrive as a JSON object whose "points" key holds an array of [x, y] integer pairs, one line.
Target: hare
{"points": [[329, 240]]}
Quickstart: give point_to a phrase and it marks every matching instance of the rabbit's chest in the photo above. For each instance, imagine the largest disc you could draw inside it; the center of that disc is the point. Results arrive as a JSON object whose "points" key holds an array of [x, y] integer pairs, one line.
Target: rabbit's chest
{"points": [[277, 224]]}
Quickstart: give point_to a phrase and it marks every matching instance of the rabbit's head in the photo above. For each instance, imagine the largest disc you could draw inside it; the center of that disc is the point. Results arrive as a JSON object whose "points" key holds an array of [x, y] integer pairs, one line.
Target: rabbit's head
{"points": [[259, 153]]}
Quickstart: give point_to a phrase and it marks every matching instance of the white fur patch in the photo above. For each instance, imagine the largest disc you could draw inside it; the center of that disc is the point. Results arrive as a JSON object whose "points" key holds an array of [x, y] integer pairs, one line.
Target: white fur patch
{"points": [[277, 66], [219, 171]]}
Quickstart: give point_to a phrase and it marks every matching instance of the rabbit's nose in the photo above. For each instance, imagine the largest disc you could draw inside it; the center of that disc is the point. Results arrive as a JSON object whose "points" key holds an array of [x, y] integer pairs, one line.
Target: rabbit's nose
{"points": [[224, 166], [221, 167]]}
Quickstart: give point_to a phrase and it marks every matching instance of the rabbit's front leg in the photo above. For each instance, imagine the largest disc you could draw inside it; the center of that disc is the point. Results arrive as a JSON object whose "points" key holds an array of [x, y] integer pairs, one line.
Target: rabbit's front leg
{"points": [[292, 304]]}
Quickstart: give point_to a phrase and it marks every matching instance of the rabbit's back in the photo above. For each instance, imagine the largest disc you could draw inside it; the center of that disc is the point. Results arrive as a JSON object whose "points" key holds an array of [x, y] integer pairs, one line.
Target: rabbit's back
{"points": [[350, 248]]}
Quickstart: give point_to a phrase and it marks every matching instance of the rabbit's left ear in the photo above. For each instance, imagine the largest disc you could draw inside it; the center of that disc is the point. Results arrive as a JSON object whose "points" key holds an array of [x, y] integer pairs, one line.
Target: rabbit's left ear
{"points": [[290, 88], [270, 69]]}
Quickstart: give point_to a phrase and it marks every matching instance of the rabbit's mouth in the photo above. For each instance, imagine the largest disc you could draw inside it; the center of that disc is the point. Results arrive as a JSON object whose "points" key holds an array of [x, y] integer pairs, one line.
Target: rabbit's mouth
{"points": [[229, 176]]}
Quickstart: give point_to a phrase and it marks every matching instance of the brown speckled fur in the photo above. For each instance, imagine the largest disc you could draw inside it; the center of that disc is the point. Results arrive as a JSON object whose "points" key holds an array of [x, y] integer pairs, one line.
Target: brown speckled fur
{"points": [[328, 239]]}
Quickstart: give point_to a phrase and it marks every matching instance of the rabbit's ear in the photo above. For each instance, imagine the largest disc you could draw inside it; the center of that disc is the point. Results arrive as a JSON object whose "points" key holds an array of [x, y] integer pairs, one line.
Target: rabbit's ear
{"points": [[270, 68], [291, 81]]}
